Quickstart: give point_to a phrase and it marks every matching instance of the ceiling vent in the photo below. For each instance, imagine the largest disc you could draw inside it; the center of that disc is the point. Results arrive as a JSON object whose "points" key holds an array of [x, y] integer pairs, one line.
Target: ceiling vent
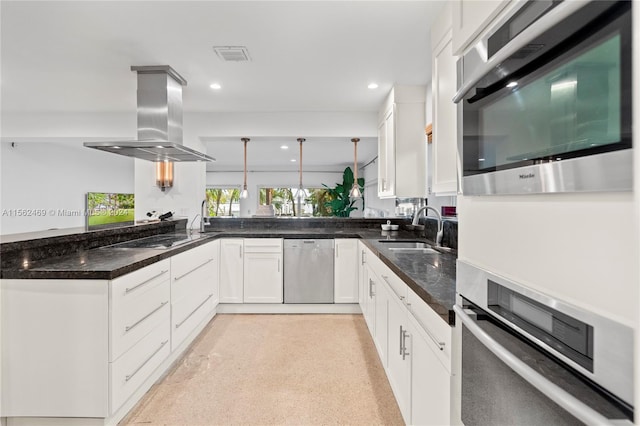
{"points": [[232, 53]]}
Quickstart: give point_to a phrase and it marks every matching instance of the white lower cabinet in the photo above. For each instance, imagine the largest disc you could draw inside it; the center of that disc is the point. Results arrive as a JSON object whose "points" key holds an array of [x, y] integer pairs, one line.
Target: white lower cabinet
{"points": [[346, 271], [263, 270], [90, 348], [430, 379], [399, 364], [231, 270], [413, 342]]}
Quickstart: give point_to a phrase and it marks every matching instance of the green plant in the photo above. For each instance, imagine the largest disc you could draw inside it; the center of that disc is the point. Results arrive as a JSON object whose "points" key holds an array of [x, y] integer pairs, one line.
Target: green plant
{"points": [[339, 204]]}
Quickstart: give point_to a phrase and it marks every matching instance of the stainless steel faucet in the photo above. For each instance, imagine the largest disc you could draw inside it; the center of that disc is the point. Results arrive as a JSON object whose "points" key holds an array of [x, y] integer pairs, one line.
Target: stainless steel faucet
{"points": [[417, 217]]}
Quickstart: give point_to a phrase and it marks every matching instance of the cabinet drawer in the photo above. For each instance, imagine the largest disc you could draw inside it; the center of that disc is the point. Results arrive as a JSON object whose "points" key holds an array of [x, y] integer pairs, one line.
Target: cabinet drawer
{"points": [[128, 286], [184, 263], [438, 331], [263, 245], [136, 312], [187, 314], [398, 287], [198, 281], [134, 367]]}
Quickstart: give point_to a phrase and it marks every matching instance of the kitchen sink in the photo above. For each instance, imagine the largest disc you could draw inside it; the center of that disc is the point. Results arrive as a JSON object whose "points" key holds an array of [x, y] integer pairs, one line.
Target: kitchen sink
{"points": [[408, 246]]}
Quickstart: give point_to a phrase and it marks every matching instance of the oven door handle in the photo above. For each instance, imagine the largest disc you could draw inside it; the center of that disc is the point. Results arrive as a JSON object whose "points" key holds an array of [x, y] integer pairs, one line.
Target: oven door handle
{"points": [[547, 21], [564, 399]]}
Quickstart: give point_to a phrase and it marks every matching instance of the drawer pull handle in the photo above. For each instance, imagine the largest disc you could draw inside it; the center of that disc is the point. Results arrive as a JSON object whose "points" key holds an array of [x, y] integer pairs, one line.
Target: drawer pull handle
{"points": [[405, 334], [386, 278], [194, 311], [363, 261], [130, 327], [130, 376], [197, 267], [440, 345], [130, 289]]}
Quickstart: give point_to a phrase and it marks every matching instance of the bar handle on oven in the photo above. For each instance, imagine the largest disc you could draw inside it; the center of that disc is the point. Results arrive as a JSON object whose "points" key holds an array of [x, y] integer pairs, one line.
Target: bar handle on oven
{"points": [[561, 397], [549, 20]]}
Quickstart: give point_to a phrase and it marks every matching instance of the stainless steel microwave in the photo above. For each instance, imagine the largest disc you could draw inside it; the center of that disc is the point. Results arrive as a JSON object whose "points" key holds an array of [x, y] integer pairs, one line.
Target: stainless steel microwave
{"points": [[544, 101]]}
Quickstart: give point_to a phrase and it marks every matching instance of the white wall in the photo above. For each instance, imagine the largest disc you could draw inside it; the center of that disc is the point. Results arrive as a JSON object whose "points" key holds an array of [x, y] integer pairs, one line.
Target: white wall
{"points": [[55, 176]]}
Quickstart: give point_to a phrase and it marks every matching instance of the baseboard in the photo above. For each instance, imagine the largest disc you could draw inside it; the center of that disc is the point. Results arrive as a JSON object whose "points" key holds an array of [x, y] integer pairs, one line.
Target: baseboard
{"points": [[286, 308]]}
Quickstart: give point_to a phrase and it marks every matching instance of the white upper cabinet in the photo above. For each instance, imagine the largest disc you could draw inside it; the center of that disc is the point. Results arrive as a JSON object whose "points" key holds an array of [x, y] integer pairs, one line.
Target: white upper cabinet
{"points": [[470, 18], [444, 178], [402, 143]]}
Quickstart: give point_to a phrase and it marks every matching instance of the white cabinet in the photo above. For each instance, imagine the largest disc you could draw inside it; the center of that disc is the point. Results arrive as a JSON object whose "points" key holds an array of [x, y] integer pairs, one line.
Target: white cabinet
{"points": [[470, 18], [381, 314], [399, 363], [263, 270], [192, 291], [402, 143], [430, 379], [231, 270], [346, 271], [362, 281], [444, 176], [386, 155]]}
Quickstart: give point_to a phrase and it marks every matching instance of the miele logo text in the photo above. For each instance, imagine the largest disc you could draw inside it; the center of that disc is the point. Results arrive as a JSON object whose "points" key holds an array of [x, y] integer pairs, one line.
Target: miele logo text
{"points": [[527, 176]]}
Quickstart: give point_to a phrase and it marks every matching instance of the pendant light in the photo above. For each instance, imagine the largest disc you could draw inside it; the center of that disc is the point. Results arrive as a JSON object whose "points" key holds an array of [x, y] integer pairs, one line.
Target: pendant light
{"points": [[245, 193], [299, 195], [164, 174], [355, 189]]}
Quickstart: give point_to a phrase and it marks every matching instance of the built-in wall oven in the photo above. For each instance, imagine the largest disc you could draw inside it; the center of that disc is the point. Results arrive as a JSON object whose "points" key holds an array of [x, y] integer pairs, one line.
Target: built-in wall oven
{"points": [[544, 101], [530, 359]]}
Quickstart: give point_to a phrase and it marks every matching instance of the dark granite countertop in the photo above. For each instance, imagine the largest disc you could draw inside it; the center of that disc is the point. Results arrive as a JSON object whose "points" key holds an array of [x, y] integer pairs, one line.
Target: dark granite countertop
{"points": [[431, 276]]}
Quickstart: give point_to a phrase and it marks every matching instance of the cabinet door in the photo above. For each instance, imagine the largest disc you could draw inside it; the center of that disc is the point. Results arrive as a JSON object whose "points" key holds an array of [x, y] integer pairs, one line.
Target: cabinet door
{"points": [[398, 363], [370, 300], [263, 278], [386, 156], [470, 18], [214, 282], [231, 270], [444, 118], [346, 271], [362, 282], [430, 380], [381, 312]]}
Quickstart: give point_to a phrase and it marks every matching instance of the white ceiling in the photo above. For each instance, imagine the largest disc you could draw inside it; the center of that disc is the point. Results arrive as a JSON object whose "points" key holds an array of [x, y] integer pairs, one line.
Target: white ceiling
{"points": [[306, 55]]}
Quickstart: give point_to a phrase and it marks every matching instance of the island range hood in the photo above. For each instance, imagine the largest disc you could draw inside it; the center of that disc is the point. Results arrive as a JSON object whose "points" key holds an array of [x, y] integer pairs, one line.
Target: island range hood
{"points": [[159, 120]]}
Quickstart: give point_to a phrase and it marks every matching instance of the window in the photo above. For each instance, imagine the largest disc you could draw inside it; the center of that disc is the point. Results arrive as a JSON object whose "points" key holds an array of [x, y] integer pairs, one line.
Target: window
{"points": [[285, 203], [223, 202]]}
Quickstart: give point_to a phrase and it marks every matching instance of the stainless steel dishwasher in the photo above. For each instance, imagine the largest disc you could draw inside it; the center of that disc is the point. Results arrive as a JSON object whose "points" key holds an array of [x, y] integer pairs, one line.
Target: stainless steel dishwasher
{"points": [[308, 271]]}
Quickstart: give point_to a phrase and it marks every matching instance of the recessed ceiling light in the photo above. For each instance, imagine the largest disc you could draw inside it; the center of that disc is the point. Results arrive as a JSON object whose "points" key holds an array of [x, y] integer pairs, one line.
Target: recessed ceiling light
{"points": [[293, 160], [372, 86], [512, 84], [216, 86], [159, 146], [284, 147]]}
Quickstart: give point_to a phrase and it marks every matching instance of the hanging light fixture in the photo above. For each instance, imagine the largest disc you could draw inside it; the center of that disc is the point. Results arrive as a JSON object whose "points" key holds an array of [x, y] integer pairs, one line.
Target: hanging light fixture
{"points": [[300, 194], [164, 174], [245, 193], [355, 189]]}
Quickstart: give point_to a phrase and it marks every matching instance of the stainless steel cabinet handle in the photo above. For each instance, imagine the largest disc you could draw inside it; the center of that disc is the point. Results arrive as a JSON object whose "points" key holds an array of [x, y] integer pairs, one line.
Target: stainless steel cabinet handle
{"points": [[130, 376], [130, 289], [371, 284], [194, 311], [438, 343], [404, 344], [561, 397], [130, 327], [386, 278], [337, 251], [401, 341], [362, 262], [278, 265], [240, 251], [197, 267]]}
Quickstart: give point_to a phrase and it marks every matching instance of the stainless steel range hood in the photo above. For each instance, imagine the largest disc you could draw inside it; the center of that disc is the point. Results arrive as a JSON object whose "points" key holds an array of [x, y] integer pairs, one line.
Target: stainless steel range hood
{"points": [[159, 119]]}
